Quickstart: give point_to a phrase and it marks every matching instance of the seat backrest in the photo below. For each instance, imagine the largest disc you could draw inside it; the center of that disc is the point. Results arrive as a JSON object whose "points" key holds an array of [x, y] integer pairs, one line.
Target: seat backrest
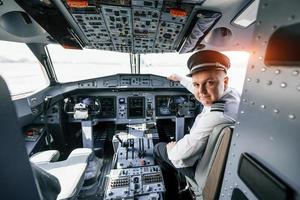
{"points": [[209, 170], [16, 177], [214, 179], [48, 184], [61, 178]]}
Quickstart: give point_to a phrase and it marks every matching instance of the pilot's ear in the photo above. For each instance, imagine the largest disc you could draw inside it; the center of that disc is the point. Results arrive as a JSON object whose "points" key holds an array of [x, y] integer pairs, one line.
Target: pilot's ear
{"points": [[226, 80]]}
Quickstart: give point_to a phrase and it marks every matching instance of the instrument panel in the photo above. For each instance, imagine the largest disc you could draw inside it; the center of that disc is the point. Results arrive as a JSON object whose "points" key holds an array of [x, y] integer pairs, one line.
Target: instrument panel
{"points": [[136, 107], [133, 107], [102, 107], [167, 105], [121, 98]]}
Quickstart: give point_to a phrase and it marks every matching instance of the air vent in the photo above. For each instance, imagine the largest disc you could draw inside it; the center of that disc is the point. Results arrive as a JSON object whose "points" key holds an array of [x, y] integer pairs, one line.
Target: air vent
{"points": [[91, 84], [110, 83]]}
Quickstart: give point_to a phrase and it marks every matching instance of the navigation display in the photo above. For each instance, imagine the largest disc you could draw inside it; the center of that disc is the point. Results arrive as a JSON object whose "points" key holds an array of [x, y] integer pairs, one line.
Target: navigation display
{"points": [[169, 105], [136, 107], [108, 107]]}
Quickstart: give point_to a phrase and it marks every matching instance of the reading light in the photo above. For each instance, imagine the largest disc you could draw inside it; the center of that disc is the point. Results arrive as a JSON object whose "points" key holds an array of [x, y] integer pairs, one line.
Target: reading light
{"points": [[248, 16]]}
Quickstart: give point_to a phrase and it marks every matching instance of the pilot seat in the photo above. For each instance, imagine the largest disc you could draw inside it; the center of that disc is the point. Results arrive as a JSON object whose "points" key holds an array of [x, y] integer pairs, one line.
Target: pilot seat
{"points": [[210, 169], [69, 173], [42, 177]]}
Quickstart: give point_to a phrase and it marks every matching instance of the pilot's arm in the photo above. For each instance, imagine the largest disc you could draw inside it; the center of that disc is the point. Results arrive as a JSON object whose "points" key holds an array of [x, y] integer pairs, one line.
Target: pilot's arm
{"points": [[185, 81], [189, 149]]}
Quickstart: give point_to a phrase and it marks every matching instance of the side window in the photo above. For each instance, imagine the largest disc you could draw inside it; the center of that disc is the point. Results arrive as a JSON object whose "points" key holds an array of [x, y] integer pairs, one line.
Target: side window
{"points": [[21, 70], [238, 68]]}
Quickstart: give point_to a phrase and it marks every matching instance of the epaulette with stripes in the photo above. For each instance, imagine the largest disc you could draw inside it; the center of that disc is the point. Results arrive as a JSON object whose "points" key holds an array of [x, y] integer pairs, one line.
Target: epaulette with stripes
{"points": [[218, 106]]}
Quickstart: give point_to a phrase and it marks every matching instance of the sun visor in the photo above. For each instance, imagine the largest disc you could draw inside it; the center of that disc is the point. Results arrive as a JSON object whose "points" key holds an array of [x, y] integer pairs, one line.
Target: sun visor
{"points": [[203, 21]]}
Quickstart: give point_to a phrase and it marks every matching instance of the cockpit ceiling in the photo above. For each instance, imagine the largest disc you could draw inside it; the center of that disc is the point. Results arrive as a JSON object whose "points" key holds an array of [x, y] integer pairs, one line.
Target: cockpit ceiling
{"points": [[132, 26]]}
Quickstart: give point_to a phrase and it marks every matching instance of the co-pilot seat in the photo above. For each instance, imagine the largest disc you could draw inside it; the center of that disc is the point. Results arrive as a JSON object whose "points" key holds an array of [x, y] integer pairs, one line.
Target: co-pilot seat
{"points": [[210, 169], [41, 178], [69, 173]]}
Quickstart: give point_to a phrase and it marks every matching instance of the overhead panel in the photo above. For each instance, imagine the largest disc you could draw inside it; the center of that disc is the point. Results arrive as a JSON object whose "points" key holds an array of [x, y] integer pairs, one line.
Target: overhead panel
{"points": [[171, 7], [156, 4], [136, 26], [119, 24], [167, 34], [113, 2], [145, 23], [171, 26], [94, 28], [146, 16]]}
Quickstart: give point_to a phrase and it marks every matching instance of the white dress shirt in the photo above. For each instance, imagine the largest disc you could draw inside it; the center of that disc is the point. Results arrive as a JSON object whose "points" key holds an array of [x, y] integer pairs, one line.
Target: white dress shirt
{"points": [[190, 148]]}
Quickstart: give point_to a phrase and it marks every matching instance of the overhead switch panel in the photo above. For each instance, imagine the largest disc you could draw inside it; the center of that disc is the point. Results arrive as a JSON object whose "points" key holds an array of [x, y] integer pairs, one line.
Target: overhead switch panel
{"points": [[137, 26]]}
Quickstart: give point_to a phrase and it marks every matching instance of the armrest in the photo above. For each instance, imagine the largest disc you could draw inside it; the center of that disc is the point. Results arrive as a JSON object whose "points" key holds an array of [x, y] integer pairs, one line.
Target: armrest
{"points": [[45, 156], [80, 152], [80, 155]]}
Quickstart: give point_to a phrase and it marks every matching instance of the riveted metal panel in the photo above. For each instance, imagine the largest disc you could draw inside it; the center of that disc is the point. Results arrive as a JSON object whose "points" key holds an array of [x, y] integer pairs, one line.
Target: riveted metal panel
{"points": [[268, 126]]}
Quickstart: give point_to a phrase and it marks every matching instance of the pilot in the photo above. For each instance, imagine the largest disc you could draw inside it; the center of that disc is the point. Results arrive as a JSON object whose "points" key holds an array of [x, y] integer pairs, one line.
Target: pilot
{"points": [[209, 85]]}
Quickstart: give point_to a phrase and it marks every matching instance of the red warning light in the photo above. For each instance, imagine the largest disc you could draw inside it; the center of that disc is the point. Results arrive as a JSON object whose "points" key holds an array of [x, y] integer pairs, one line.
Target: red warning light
{"points": [[178, 12], [68, 46], [77, 3]]}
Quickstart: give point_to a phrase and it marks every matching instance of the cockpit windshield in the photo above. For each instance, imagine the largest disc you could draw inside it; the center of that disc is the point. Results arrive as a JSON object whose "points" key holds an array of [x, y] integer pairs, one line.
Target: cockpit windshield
{"points": [[25, 76], [74, 65]]}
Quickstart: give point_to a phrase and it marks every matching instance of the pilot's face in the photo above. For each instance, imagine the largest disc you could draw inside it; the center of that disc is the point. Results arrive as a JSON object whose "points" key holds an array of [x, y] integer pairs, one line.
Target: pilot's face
{"points": [[209, 85]]}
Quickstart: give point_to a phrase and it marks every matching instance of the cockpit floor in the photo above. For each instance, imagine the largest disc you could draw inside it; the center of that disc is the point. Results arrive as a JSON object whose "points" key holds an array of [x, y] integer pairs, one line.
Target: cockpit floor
{"points": [[107, 162]]}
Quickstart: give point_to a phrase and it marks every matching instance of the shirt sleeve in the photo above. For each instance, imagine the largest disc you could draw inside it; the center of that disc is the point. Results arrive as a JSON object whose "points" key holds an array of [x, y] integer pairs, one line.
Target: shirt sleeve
{"points": [[195, 142], [188, 84], [187, 147]]}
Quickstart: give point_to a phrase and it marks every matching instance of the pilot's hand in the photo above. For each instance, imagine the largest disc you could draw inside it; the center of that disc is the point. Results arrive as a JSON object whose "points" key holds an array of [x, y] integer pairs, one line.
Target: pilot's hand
{"points": [[170, 145], [175, 77]]}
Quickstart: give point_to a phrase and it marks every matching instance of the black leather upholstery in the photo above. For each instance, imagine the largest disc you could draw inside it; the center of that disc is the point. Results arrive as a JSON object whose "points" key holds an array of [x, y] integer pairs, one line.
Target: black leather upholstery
{"points": [[17, 180], [47, 183]]}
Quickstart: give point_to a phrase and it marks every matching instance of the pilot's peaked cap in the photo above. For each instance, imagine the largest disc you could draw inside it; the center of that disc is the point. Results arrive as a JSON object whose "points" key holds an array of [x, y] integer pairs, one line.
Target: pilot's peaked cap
{"points": [[206, 60]]}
